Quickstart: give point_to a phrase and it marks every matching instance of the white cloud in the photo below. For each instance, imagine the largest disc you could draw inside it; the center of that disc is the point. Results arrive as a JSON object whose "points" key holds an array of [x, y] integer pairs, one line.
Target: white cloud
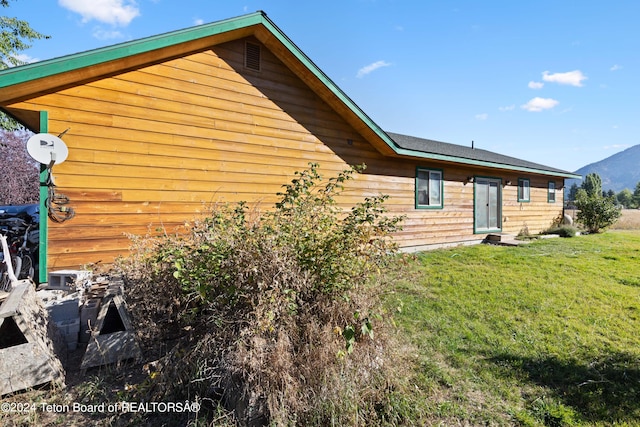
{"points": [[616, 67], [371, 68], [539, 104], [26, 58], [536, 85], [483, 116], [507, 108], [102, 34], [198, 21], [115, 12], [572, 78]]}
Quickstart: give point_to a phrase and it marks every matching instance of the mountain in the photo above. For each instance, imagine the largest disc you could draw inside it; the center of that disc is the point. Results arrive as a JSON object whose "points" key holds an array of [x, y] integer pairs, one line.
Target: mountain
{"points": [[620, 171]]}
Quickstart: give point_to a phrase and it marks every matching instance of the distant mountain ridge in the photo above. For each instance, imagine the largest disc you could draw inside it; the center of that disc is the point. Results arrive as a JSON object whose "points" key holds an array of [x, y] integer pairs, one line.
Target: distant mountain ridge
{"points": [[620, 171]]}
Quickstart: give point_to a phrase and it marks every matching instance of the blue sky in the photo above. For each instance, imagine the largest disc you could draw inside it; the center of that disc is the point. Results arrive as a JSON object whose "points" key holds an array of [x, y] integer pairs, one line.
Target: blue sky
{"points": [[554, 82]]}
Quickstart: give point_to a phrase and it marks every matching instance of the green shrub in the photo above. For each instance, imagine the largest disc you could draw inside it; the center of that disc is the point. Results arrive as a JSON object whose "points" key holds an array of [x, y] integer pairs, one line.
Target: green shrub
{"points": [[596, 212], [273, 311], [562, 230]]}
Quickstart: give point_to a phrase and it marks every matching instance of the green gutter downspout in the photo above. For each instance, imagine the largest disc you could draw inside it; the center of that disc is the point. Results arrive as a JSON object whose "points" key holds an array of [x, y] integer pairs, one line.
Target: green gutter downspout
{"points": [[44, 214]]}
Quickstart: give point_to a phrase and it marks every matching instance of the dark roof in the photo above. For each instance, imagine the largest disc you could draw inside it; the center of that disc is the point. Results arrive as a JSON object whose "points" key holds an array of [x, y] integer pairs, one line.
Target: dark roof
{"points": [[462, 154]]}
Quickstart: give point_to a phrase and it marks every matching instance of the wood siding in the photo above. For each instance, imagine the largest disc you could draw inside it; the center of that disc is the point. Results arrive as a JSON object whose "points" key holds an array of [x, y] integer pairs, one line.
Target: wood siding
{"points": [[151, 148]]}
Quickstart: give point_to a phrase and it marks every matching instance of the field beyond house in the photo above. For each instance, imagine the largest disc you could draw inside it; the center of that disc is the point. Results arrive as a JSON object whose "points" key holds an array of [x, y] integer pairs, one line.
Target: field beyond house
{"points": [[541, 334], [630, 220]]}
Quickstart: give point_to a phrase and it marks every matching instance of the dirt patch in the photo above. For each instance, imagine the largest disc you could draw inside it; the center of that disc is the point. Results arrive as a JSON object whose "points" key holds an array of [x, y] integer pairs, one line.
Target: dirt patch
{"points": [[78, 402]]}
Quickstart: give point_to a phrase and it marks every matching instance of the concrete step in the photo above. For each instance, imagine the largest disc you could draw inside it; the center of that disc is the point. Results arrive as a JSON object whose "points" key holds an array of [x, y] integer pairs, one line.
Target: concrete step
{"points": [[499, 237], [503, 239]]}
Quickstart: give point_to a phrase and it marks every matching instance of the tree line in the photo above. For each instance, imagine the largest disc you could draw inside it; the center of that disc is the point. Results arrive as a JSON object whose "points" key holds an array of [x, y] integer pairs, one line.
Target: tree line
{"points": [[624, 198]]}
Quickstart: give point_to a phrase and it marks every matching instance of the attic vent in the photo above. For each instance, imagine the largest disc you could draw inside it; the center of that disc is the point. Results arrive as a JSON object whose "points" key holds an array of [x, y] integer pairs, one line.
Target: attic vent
{"points": [[252, 56]]}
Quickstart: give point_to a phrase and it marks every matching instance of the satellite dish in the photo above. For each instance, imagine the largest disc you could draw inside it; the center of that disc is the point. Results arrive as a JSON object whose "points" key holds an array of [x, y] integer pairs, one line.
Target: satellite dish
{"points": [[47, 149]]}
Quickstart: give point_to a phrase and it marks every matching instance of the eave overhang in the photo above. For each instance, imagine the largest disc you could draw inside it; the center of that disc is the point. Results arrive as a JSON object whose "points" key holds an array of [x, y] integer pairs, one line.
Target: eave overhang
{"points": [[481, 163]]}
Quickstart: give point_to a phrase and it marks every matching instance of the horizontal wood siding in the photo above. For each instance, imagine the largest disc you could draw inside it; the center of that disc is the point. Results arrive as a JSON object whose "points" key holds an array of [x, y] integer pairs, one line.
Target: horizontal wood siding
{"points": [[155, 147]]}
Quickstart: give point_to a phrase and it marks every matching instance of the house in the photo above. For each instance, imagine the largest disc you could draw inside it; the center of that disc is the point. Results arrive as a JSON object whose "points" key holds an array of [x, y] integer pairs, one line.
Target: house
{"points": [[160, 128]]}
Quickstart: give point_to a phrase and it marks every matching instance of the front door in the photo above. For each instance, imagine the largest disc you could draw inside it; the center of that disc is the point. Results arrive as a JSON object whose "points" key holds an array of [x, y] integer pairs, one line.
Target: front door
{"points": [[487, 205]]}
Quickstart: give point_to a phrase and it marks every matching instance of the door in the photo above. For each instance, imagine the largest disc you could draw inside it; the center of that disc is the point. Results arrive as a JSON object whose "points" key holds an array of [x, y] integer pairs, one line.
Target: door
{"points": [[488, 205]]}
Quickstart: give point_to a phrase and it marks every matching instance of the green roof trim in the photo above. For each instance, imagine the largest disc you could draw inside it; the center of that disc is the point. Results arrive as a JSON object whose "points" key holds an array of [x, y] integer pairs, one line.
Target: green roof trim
{"points": [[50, 67], [472, 162]]}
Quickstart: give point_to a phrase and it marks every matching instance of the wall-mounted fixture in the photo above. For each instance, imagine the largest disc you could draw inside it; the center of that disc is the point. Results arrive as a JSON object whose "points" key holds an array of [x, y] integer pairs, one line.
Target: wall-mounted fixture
{"points": [[470, 179], [507, 182]]}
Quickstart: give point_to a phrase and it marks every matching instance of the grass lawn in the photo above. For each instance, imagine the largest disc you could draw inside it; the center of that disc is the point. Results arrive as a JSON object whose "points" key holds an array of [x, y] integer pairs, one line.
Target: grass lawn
{"points": [[541, 334]]}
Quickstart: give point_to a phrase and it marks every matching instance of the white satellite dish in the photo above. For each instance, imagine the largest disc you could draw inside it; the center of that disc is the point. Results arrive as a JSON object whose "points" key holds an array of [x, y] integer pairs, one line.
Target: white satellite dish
{"points": [[47, 149]]}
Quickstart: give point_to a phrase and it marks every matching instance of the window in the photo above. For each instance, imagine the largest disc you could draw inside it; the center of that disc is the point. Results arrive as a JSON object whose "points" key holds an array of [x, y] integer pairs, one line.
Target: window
{"points": [[524, 190], [429, 188], [551, 195]]}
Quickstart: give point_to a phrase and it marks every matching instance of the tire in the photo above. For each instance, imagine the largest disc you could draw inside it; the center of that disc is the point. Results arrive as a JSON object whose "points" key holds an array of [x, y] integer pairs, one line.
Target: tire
{"points": [[26, 267], [5, 283], [17, 265]]}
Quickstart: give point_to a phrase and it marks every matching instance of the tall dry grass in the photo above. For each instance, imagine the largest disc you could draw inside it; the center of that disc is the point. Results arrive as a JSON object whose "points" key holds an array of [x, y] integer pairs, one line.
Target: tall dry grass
{"points": [[630, 220]]}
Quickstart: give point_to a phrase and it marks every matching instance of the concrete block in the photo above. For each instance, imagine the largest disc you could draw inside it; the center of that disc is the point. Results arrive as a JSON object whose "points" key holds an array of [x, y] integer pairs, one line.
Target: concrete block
{"points": [[88, 316], [47, 295], [64, 309], [67, 279], [69, 327]]}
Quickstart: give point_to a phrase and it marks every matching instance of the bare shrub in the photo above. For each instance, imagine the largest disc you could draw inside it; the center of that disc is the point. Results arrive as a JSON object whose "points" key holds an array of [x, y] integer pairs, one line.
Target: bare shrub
{"points": [[274, 314], [20, 173]]}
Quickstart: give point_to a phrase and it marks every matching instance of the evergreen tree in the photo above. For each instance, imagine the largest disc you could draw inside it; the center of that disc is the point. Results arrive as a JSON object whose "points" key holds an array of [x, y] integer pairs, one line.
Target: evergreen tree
{"points": [[592, 184], [636, 196], [573, 191], [15, 36]]}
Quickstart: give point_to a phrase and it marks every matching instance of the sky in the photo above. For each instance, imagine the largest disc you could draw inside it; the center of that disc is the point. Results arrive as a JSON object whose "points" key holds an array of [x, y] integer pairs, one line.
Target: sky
{"points": [[555, 82]]}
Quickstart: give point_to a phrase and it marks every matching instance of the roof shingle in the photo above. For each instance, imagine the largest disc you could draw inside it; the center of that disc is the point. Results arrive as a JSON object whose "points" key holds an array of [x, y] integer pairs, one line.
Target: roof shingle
{"points": [[459, 152]]}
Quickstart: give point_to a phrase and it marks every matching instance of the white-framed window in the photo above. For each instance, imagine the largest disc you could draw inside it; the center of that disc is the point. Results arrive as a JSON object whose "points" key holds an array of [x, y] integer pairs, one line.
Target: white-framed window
{"points": [[524, 190], [551, 193], [429, 188]]}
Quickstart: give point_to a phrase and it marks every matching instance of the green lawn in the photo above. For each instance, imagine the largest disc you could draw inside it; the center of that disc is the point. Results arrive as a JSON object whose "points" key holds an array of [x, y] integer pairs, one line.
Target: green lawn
{"points": [[541, 334]]}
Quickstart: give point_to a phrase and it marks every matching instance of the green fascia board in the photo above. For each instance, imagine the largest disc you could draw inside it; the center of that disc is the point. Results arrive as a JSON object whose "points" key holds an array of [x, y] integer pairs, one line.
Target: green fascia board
{"points": [[25, 73], [46, 68]]}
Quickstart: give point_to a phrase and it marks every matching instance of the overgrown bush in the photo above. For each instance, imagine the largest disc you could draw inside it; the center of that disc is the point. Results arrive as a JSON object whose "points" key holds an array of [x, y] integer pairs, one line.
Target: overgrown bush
{"points": [[596, 212], [272, 314]]}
